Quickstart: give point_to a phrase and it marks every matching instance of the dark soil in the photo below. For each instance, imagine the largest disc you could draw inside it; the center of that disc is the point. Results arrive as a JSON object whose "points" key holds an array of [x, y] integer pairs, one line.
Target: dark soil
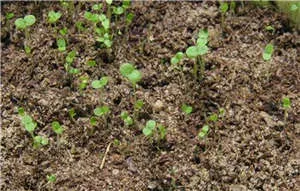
{"points": [[250, 148]]}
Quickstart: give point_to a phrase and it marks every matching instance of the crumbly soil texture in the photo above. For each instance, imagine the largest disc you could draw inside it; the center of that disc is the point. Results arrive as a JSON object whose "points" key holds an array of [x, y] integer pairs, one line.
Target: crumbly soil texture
{"points": [[252, 146]]}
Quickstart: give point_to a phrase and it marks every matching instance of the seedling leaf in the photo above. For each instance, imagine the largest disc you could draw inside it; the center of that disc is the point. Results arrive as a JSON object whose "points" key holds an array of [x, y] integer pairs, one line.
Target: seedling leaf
{"points": [[57, 128], [97, 84], [186, 109], [100, 111]]}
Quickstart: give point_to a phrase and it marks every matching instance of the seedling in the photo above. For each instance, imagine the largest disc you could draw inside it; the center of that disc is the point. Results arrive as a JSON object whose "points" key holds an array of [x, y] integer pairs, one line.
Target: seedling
{"points": [[213, 117], [91, 63], [126, 118], [51, 178], [39, 141], [84, 80], [102, 112], [63, 31], [177, 58], [152, 129], [270, 28], [118, 10], [100, 84], [9, 16], [97, 7], [138, 105], [204, 131], [24, 24], [286, 104], [58, 129], [196, 53], [69, 60], [267, 54], [72, 113], [132, 75], [80, 26], [187, 109], [53, 17], [223, 9], [221, 112], [61, 44], [28, 123]]}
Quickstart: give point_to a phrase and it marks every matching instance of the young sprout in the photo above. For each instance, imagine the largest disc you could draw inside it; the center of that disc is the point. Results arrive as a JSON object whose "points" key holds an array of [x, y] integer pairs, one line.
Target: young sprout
{"points": [[61, 44], [97, 7], [102, 112], [221, 112], [270, 28], [9, 16], [267, 54], [39, 141], [223, 9], [72, 113], [93, 121], [126, 118], [69, 60], [79, 26], [213, 117], [187, 109], [28, 123], [293, 7], [91, 63], [100, 84], [63, 31], [154, 129], [118, 10], [149, 128], [177, 58], [58, 129], [53, 17], [203, 132], [133, 75], [286, 104], [51, 178], [84, 80], [138, 105], [24, 24], [196, 52]]}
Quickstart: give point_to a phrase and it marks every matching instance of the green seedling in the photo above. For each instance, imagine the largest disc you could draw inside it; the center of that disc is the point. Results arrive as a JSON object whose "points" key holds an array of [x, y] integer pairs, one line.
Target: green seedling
{"points": [[39, 141], [286, 104], [93, 121], [126, 118], [204, 131], [79, 26], [61, 44], [187, 109], [99, 85], [196, 52], [118, 10], [69, 60], [270, 28], [132, 75], [91, 63], [9, 16], [221, 112], [84, 81], [102, 112], [53, 17], [293, 7], [223, 9], [116, 142], [72, 113], [152, 129], [232, 6], [23, 24], [138, 105], [58, 129], [106, 39], [51, 178], [63, 31], [268, 51], [97, 7], [177, 58], [213, 117]]}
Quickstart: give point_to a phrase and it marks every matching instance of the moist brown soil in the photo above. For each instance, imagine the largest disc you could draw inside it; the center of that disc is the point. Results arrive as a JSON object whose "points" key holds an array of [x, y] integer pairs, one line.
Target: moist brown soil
{"points": [[250, 148]]}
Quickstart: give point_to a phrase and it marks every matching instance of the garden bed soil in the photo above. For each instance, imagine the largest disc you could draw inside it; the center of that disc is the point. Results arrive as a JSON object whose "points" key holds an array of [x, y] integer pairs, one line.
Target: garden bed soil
{"points": [[250, 148]]}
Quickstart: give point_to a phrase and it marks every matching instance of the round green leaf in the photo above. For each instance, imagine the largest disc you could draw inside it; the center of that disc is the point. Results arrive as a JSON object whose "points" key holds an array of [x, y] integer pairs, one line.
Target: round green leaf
{"points": [[118, 10], [53, 16], [186, 109], [99, 111], [174, 60], [100, 83], [20, 23], [205, 129], [30, 126], [29, 20], [203, 49], [135, 76], [126, 69], [57, 128], [151, 124], [147, 131], [193, 51]]}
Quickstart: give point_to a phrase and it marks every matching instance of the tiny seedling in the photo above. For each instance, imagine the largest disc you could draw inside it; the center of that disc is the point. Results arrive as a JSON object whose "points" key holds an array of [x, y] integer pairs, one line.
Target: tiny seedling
{"points": [[100, 84], [138, 105], [132, 75], [53, 17], [223, 9], [58, 129], [213, 117], [286, 104], [61, 44], [268, 51], [91, 63], [126, 118], [293, 7], [153, 129], [204, 131], [221, 112], [177, 58], [102, 112], [69, 60], [51, 178], [9, 16], [72, 113], [97, 7], [187, 109], [84, 81], [63, 31], [270, 28], [196, 52], [118, 10], [24, 24], [39, 141]]}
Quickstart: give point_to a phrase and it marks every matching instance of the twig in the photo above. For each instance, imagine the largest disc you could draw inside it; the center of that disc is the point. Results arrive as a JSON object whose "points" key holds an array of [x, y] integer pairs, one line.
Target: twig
{"points": [[104, 157]]}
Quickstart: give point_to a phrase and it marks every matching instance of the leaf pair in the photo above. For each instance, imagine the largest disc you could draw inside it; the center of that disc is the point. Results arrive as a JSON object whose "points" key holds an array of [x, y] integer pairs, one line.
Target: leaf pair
{"points": [[99, 84], [53, 16], [267, 54], [132, 74], [126, 118], [203, 132], [27, 21]]}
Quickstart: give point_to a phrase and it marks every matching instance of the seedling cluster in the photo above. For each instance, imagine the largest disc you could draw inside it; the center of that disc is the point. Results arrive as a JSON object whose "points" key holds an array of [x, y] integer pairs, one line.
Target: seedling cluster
{"points": [[154, 130]]}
